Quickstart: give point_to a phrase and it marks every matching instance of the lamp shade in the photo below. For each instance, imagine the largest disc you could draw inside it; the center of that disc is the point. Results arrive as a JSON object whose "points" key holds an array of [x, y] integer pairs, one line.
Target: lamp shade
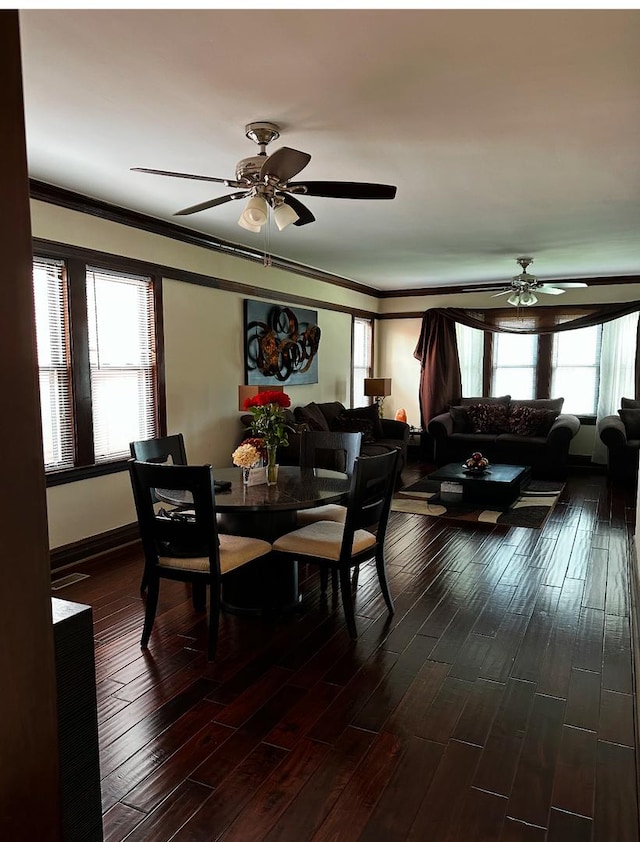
{"points": [[255, 229], [256, 212], [527, 298], [377, 387], [245, 392], [284, 215]]}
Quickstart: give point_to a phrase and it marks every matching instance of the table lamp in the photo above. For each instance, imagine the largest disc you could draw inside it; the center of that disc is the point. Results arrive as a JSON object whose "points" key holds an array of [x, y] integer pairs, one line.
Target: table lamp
{"points": [[377, 388]]}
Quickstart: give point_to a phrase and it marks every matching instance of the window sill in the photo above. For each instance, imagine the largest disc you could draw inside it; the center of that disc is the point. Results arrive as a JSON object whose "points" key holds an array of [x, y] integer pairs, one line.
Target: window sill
{"points": [[84, 472]]}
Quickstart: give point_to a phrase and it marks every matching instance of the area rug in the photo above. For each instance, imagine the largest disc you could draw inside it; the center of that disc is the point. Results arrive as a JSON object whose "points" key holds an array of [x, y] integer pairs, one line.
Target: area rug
{"points": [[530, 510]]}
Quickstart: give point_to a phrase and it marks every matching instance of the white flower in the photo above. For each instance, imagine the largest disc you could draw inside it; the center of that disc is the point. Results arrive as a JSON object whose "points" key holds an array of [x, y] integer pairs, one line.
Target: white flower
{"points": [[245, 456]]}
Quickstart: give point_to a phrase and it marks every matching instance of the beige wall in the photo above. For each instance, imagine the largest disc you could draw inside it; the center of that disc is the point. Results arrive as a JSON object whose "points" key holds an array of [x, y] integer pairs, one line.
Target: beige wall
{"points": [[203, 355], [395, 342]]}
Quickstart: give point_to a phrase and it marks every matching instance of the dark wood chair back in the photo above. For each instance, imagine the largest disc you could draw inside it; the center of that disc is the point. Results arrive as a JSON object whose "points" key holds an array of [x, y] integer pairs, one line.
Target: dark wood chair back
{"points": [[160, 449], [165, 449], [369, 503], [332, 450], [176, 531]]}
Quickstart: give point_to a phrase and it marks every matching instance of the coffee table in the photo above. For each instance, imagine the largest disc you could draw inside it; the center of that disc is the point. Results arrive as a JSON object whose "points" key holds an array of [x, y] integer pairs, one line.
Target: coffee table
{"points": [[495, 488]]}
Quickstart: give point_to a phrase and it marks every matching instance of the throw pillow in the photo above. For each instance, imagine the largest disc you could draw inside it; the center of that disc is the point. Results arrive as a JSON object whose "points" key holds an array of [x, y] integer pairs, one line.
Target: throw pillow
{"points": [[524, 420], [631, 421], [369, 413], [629, 403], [460, 418], [311, 414], [346, 423], [504, 399], [542, 403], [488, 417]]}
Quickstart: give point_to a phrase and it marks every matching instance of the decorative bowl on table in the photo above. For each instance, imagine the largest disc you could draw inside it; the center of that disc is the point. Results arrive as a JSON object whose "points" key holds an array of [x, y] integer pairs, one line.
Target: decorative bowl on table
{"points": [[476, 463]]}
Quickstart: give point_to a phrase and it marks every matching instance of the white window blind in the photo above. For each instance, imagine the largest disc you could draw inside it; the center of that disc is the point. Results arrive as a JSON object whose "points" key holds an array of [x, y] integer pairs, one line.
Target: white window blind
{"points": [[52, 337], [515, 358], [122, 359], [575, 369], [362, 337]]}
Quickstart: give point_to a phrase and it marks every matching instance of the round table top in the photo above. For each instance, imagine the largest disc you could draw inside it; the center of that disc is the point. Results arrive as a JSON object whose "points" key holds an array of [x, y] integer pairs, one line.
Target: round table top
{"points": [[297, 488]]}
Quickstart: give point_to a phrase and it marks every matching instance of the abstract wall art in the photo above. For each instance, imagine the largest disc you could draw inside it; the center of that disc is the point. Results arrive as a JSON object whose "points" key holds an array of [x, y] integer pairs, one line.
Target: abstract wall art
{"points": [[281, 344]]}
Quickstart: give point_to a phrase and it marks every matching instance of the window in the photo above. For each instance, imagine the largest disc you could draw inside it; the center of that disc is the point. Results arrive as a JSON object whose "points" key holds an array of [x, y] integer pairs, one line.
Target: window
{"points": [[362, 367], [578, 365], [122, 361], [575, 369], [513, 365], [97, 359], [54, 367], [470, 353]]}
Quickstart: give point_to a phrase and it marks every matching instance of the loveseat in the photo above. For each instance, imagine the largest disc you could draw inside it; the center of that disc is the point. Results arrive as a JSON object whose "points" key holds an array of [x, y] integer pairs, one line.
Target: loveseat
{"points": [[506, 430], [621, 435], [379, 435]]}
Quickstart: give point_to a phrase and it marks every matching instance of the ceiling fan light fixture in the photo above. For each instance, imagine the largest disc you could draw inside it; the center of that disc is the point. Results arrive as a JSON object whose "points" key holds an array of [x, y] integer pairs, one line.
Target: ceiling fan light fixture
{"points": [[256, 212], [514, 299], [284, 215]]}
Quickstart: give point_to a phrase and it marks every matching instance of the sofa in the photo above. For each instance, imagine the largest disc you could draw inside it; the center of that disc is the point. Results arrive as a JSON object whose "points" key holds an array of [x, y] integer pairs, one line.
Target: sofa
{"points": [[621, 435], [507, 431], [379, 435]]}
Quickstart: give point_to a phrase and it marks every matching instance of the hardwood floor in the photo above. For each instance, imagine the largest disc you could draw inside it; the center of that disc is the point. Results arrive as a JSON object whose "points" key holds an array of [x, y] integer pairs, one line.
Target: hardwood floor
{"points": [[497, 704]]}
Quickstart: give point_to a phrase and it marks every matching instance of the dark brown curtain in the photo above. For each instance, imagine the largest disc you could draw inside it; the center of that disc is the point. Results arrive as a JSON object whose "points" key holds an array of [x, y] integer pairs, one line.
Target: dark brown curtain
{"points": [[437, 351], [437, 348]]}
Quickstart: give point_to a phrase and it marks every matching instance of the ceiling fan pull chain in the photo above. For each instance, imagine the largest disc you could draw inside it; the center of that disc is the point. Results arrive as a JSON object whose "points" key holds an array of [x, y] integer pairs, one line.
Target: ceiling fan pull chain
{"points": [[267, 261]]}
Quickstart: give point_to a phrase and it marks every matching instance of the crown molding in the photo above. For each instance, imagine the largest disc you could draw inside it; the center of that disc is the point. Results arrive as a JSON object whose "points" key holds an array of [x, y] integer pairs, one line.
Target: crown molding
{"points": [[60, 196]]}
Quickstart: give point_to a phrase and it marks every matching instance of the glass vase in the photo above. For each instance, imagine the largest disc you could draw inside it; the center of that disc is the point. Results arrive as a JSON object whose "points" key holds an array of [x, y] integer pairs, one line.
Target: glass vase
{"points": [[245, 476], [272, 467]]}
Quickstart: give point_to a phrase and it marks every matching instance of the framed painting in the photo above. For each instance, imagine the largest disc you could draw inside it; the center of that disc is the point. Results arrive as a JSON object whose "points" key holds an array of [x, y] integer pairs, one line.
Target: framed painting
{"points": [[280, 345]]}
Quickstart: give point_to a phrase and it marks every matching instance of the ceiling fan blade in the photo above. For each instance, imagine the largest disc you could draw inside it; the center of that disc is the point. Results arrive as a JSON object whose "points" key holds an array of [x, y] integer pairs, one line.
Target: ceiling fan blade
{"points": [[569, 285], [504, 292], [229, 182], [212, 203], [345, 189], [304, 214], [285, 163], [548, 290]]}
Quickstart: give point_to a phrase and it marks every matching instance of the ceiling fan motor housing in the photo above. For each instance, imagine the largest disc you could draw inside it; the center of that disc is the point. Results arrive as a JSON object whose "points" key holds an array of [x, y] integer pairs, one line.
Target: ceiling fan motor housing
{"points": [[249, 168]]}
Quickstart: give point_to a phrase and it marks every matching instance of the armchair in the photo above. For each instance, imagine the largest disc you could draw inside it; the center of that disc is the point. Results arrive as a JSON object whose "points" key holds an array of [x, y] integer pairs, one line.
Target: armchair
{"points": [[621, 436]]}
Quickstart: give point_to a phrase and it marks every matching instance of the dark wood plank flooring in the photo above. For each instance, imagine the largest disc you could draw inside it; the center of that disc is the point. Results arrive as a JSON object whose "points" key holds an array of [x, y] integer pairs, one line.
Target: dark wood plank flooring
{"points": [[497, 704]]}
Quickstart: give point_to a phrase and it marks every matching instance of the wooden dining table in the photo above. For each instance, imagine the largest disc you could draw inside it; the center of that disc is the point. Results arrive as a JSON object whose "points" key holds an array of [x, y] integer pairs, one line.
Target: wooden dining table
{"points": [[267, 585]]}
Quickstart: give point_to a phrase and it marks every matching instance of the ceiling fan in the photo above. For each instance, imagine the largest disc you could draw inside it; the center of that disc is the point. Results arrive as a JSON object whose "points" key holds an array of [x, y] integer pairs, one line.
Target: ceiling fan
{"points": [[523, 289], [264, 180]]}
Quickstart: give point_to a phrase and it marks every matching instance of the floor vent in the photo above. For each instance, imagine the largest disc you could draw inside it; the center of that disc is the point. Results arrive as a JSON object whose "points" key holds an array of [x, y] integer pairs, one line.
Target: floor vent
{"points": [[71, 579]]}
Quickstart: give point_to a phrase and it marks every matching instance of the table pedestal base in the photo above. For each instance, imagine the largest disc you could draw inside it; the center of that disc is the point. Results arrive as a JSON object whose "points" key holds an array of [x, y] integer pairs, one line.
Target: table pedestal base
{"points": [[262, 588], [266, 586]]}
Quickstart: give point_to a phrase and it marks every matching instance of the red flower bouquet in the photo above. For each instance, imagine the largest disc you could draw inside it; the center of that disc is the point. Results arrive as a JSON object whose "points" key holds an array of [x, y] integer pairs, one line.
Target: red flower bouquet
{"points": [[265, 398], [269, 423]]}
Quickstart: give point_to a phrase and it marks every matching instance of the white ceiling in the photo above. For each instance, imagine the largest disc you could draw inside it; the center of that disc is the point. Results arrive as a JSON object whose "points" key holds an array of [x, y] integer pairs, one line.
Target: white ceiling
{"points": [[507, 132]]}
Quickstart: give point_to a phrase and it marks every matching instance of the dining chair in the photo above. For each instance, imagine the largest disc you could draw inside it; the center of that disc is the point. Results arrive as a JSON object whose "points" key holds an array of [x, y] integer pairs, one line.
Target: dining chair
{"points": [[341, 546], [164, 449], [335, 451], [160, 449], [185, 544]]}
